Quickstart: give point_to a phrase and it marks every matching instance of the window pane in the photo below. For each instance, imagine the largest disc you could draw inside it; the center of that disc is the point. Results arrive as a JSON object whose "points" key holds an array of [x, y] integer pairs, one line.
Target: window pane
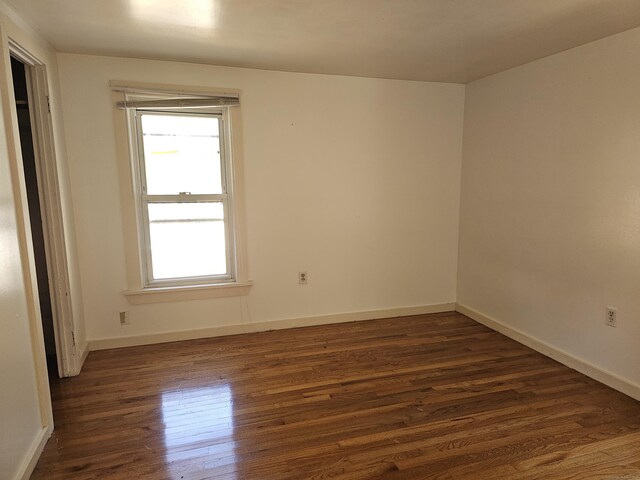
{"points": [[187, 239], [181, 154]]}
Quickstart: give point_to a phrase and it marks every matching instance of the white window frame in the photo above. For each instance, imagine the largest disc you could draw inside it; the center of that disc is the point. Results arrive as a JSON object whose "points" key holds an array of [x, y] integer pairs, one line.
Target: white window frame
{"points": [[143, 199], [128, 146]]}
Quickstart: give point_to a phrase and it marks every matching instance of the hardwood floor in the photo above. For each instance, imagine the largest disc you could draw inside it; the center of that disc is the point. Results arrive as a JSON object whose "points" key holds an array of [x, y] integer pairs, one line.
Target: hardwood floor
{"points": [[425, 397]]}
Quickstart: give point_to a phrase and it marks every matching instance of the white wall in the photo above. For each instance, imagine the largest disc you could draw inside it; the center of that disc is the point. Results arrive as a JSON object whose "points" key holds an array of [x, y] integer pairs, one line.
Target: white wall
{"points": [[550, 214], [19, 408], [20, 413], [354, 180], [29, 40], [25, 409]]}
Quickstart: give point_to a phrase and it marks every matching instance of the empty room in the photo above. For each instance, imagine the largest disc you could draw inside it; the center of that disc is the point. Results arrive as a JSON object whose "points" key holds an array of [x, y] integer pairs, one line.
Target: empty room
{"points": [[302, 240]]}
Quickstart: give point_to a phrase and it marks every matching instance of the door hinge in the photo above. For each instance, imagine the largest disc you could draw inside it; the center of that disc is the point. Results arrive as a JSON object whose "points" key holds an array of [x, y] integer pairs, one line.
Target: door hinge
{"points": [[48, 104], [73, 338]]}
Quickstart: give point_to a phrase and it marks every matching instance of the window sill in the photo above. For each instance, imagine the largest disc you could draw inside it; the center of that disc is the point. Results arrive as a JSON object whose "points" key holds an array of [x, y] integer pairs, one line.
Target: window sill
{"points": [[187, 292]]}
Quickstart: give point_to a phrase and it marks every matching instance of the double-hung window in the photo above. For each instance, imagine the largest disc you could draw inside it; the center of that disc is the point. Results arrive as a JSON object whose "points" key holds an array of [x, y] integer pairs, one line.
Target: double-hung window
{"points": [[184, 187]]}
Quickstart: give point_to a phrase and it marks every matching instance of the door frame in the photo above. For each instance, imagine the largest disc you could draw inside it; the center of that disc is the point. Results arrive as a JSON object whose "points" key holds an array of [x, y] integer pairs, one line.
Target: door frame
{"points": [[50, 206]]}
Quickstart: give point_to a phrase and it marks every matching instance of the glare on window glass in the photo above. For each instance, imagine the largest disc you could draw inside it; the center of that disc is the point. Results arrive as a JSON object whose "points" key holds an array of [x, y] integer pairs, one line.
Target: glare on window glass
{"points": [[187, 239], [181, 154]]}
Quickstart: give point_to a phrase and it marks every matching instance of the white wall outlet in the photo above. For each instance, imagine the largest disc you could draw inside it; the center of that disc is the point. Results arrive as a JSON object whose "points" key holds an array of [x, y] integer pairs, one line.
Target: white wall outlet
{"points": [[612, 317], [124, 318], [302, 278]]}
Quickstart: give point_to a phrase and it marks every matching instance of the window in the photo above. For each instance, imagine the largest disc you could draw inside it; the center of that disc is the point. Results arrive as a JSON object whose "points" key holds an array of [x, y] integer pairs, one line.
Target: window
{"points": [[183, 185]]}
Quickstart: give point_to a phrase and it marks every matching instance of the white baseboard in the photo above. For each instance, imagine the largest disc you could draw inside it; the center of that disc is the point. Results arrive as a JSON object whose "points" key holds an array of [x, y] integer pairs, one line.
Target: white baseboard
{"points": [[118, 342], [83, 356], [29, 463], [603, 376]]}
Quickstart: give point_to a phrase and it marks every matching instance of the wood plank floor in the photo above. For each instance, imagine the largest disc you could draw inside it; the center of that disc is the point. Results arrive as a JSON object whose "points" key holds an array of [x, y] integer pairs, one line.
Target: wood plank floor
{"points": [[424, 397]]}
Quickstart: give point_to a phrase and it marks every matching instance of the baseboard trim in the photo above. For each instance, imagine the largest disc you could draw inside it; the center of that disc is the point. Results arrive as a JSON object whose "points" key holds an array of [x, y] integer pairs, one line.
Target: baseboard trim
{"points": [[603, 376], [119, 342], [83, 357], [30, 460]]}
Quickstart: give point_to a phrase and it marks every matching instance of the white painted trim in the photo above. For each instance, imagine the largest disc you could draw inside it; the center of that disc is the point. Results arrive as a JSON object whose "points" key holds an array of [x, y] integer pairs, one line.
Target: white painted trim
{"points": [[153, 88], [84, 352], [118, 342], [126, 141], [23, 227], [31, 458], [603, 376], [187, 292], [51, 209]]}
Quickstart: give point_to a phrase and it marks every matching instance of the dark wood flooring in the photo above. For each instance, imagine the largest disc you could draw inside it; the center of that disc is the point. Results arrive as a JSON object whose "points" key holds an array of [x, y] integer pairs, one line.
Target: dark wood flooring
{"points": [[425, 397]]}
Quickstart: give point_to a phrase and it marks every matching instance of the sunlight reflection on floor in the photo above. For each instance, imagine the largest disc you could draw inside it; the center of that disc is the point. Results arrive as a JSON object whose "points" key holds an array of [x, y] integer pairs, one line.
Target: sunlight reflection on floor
{"points": [[198, 426]]}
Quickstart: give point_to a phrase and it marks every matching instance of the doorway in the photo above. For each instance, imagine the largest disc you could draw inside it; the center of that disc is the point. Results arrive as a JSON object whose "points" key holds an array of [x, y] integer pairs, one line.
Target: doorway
{"points": [[25, 114], [21, 90]]}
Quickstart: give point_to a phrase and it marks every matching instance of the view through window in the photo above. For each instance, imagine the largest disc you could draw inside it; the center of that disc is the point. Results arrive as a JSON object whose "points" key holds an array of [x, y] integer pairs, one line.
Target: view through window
{"points": [[184, 195]]}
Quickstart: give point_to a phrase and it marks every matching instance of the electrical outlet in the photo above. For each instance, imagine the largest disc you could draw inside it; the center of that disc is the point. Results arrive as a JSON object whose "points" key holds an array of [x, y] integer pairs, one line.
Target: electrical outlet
{"points": [[302, 278], [612, 317], [124, 318]]}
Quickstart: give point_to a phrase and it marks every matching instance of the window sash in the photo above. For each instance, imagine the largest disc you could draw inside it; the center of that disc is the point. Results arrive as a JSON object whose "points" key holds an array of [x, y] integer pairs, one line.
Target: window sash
{"points": [[144, 200], [185, 198], [222, 129]]}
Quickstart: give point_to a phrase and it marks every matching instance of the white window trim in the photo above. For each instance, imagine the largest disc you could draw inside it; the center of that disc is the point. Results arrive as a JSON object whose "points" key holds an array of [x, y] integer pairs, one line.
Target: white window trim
{"points": [[226, 198], [139, 290], [187, 292]]}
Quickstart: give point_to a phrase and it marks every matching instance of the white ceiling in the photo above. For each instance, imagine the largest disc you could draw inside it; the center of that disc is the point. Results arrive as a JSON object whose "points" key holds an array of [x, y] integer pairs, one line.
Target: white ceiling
{"points": [[437, 40]]}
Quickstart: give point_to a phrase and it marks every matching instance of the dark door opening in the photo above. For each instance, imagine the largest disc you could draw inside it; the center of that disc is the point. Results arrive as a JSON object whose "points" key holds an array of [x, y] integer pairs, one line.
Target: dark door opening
{"points": [[22, 100]]}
